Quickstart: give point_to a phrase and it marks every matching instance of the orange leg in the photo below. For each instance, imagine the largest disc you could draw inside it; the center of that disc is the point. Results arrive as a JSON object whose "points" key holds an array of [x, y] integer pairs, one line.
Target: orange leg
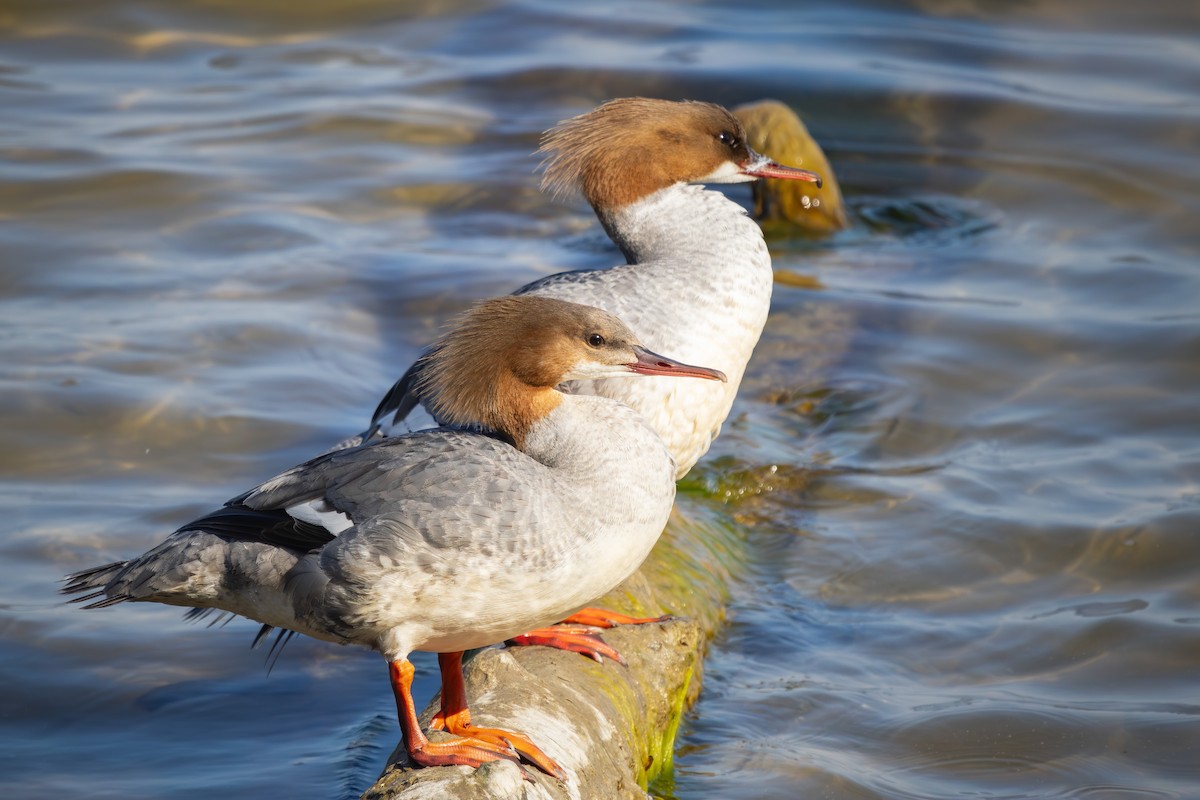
{"points": [[455, 717], [468, 751], [575, 634]]}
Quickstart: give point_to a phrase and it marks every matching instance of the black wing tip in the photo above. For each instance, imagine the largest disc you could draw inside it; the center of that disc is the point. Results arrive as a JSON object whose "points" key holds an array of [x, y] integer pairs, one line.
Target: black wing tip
{"points": [[399, 401]]}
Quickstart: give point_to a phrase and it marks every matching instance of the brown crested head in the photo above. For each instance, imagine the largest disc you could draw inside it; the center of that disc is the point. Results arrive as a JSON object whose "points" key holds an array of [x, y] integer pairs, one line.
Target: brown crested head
{"points": [[631, 147], [499, 364]]}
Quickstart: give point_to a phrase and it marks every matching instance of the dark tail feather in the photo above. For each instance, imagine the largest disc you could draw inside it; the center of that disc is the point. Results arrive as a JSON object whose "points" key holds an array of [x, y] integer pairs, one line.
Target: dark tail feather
{"points": [[219, 619], [109, 601], [262, 634], [93, 581], [282, 637], [281, 640]]}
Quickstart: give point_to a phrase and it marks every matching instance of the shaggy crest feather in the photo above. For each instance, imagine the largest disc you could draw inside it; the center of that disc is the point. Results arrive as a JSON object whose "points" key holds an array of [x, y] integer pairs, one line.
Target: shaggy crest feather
{"points": [[627, 148], [498, 367]]}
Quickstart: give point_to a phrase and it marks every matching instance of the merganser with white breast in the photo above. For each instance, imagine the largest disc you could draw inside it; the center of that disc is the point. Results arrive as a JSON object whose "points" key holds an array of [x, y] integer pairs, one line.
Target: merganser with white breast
{"points": [[698, 282], [698, 279], [446, 539]]}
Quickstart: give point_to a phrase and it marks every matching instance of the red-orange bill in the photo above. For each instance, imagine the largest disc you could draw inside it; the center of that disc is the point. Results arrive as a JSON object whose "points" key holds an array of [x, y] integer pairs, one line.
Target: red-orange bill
{"points": [[650, 363], [766, 168]]}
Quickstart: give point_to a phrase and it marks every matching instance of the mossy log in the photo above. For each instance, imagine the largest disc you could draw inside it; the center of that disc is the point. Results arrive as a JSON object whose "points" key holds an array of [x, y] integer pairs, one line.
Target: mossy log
{"points": [[611, 727]]}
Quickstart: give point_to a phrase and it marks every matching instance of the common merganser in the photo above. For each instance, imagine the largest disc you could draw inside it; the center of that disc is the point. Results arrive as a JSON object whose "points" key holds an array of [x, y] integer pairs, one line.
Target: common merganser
{"points": [[697, 282], [446, 539], [698, 278]]}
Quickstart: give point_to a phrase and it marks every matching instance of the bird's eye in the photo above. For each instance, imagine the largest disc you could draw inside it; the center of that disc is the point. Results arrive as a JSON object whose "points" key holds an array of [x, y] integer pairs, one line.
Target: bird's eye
{"points": [[596, 340], [728, 139]]}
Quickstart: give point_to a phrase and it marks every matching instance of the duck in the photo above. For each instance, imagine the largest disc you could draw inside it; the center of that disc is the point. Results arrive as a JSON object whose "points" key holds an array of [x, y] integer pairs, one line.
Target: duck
{"points": [[696, 283], [445, 539]]}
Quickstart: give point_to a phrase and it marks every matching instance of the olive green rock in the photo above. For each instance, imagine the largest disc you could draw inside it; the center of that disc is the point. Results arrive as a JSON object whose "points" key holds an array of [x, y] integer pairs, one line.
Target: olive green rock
{"points": [[775, 130]]}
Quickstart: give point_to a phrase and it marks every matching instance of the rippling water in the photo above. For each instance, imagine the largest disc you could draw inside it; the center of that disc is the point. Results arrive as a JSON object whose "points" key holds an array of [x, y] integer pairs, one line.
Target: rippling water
{"points": [[224, 228]]}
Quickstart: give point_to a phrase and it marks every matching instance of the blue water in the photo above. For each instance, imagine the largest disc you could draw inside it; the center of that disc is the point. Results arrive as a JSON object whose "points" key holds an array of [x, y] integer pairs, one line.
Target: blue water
{"points": [[966, 457]]}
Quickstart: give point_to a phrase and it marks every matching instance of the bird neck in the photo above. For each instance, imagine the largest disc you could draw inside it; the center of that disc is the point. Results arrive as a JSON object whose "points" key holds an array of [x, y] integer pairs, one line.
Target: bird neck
{"points": [[682, 220], [490, 397], [597, 439]]}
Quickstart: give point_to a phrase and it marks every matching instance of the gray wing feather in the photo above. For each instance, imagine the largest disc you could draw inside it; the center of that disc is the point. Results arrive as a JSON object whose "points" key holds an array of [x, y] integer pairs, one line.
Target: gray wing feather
{"points": [[432, 470]]}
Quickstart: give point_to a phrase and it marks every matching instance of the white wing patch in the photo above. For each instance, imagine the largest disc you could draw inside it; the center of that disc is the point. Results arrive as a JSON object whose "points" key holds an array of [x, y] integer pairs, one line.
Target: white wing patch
{"points": [[319, 512]]}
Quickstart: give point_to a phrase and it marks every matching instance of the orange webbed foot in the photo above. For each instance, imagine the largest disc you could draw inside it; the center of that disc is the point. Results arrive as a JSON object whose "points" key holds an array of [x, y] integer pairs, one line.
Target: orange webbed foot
{"points": [[582, 639], [454, 717], [517, 742], [577, 633], [466, 750]]}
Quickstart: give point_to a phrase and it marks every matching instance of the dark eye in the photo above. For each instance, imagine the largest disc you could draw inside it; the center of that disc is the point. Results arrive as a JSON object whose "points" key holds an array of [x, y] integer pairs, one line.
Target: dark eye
{"points": [[596, 340], [728, 139]]}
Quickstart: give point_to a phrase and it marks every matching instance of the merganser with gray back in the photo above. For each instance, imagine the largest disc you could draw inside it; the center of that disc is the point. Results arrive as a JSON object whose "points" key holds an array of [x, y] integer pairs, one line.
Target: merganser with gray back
{"points": [[446, 539], [698, 278]]}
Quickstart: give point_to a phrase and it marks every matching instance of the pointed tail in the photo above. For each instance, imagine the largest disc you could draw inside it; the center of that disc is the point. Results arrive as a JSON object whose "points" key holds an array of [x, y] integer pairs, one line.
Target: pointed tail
{"points": [[93, 582]]}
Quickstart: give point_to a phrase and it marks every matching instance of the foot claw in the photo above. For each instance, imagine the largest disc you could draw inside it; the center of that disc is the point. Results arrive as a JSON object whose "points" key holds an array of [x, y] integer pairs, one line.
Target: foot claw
{"points": [[582, 639], [464, 750], [517, 743], [577, 633], [471, 746]]}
